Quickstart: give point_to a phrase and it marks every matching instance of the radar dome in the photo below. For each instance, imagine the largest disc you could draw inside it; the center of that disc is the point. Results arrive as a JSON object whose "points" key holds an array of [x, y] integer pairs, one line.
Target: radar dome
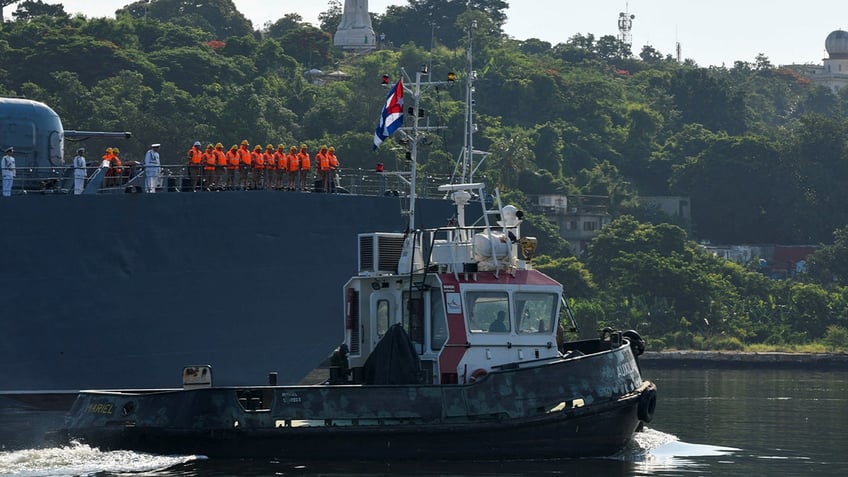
{"points": [[836, 44]]}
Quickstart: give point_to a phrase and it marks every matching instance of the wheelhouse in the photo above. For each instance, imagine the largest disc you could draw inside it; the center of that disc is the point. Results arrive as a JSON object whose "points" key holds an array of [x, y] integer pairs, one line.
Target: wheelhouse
{"points": [[466, 296]]}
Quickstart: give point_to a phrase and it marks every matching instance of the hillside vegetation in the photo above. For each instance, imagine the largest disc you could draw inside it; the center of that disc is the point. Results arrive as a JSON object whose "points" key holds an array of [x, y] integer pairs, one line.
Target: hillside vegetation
{"points": [[760, 150]]}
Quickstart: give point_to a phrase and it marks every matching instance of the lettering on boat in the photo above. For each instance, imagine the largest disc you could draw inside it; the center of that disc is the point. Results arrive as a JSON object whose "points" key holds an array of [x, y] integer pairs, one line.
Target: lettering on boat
{"points": [[290, 398], [99, 408], [626, 368]]}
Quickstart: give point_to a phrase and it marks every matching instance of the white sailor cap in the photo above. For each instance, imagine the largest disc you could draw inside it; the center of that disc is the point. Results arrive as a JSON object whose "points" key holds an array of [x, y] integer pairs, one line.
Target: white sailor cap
{"points": [[197, 143], [154, 145], [80, 150], [10, 149]]}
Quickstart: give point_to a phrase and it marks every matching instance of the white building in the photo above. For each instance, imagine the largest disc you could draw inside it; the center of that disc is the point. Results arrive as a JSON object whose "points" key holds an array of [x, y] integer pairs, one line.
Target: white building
{"points": [[834, 72]]}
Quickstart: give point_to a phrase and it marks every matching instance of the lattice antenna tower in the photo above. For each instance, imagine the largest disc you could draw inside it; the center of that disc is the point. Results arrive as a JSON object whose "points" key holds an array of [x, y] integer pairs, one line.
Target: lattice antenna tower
{"points": [[625, 24]]}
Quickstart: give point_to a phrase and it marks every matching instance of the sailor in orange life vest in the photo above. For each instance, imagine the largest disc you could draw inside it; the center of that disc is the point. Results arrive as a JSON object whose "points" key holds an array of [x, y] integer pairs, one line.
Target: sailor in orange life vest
{"points": [[115, 168], [334, 167], [322, 168], [245, 165], [79, 171], [294, 167], [232, 166], [151, 168], [305, 164], [282, 167], [195, 158]]}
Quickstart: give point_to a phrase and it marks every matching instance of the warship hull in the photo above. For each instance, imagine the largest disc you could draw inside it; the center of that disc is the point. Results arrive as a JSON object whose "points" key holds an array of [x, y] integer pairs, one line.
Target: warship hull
{"points": [[122, 291]]}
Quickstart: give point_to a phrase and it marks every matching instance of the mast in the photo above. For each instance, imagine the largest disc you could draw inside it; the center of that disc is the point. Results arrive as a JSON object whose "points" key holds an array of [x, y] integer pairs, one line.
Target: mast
{"points": [[468, 140], [417, 132], [413, 135], [465, 167]]}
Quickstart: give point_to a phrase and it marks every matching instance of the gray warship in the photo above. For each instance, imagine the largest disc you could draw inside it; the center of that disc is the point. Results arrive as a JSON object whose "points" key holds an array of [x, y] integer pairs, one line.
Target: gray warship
{"points": [[118, 289]]}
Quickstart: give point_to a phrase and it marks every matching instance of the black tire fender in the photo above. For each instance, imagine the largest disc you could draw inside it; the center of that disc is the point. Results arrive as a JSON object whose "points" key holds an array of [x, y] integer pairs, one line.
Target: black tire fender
{"points": [[647, 405], [637, 344]]}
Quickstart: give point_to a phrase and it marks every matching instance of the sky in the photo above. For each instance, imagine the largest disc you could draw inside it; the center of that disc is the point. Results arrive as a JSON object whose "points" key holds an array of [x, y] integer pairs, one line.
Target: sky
{"points": [[715, 32]]}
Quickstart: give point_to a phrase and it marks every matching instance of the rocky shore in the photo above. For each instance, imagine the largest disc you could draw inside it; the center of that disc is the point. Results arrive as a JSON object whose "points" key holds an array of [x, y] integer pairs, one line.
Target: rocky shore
{"points": [[742, 360]]}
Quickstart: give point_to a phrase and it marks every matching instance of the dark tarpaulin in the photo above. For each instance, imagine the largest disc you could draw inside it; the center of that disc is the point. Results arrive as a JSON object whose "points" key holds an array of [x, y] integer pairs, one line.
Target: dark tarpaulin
{"points": [[394, 360]]}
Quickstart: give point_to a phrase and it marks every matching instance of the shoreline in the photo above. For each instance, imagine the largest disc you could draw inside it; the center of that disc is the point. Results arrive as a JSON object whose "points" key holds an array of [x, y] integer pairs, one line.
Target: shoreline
{"points": [[743, 359]]}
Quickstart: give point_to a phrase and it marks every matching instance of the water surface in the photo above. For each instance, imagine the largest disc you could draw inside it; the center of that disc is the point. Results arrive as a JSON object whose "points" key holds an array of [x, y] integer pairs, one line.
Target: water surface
{"points": [[708, 422]]}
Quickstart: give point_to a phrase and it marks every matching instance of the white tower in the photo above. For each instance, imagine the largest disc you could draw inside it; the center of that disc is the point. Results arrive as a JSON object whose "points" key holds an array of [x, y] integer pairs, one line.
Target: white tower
{"points": [[625, 24], [355, 31]]}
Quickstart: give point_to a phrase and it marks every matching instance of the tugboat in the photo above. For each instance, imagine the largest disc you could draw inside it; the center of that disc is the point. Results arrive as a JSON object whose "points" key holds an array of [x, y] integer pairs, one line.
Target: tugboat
{"points": [[453, 350]]}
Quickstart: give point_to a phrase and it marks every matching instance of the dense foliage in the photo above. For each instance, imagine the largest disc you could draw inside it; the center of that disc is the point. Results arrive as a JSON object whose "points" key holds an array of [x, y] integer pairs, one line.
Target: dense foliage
{"points": [[760, 150]]}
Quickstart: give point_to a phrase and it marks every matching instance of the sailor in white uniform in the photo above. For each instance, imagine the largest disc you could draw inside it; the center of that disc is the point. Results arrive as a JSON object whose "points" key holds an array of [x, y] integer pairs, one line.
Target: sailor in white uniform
{"points": [[79, 171], [151, 168], [7, 165]]}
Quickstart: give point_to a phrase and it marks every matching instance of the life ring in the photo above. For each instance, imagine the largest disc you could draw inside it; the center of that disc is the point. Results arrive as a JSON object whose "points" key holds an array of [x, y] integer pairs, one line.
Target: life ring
{"points": [[647, 405], [637, 344], [477, 375]]}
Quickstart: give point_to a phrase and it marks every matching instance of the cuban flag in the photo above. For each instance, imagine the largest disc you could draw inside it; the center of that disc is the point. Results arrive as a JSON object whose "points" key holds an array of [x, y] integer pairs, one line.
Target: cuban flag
{"points": [[392, 116]]}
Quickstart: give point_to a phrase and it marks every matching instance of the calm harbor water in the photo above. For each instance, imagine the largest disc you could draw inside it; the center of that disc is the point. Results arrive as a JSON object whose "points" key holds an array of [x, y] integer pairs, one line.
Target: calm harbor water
{"points": [[708, 422]]}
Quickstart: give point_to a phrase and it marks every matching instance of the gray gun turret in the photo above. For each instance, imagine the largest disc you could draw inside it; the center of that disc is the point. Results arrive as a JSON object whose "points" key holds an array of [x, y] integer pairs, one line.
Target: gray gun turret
{"points": [[35, 132]]}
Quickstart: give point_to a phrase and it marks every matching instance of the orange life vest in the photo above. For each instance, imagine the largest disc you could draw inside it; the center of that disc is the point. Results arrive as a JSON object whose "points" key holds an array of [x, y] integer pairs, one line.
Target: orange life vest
{"points": [[220, 157], [209, 160], [270, 161], [282, 160], [323, 161], [232, 159], [195, 156], [294, 162], [303, 157], [258, 160], [244, 156]]}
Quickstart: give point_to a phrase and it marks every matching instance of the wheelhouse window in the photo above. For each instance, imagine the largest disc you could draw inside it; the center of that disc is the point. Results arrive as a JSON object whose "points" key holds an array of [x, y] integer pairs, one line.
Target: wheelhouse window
{"points": [[439, 324], [536, 312], [488, 312], [383, 316], [413, 316]]}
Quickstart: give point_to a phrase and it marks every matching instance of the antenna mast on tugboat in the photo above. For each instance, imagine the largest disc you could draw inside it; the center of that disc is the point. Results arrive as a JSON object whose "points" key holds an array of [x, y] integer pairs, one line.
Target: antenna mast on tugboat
{"points": [[415, 133], [465, 164]]}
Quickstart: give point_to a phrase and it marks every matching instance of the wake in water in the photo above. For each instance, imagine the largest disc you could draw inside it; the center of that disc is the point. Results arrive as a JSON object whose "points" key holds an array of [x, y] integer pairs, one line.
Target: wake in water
{"points": [[82, 460], [653, 451]]}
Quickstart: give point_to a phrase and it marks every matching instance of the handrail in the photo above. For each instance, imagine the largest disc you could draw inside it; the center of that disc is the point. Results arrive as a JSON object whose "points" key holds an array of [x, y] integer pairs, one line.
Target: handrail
{"points": [[129, 178]]}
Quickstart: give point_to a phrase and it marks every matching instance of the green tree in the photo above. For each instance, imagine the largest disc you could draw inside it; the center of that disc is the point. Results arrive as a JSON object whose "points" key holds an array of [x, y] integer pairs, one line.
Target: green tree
{"points": [[29, 9], [218, 17], [829, 264], [730, 185]]}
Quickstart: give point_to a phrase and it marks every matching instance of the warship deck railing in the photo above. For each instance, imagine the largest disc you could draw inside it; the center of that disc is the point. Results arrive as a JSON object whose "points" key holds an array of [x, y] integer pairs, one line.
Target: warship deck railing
{"points": [[130, 179]]}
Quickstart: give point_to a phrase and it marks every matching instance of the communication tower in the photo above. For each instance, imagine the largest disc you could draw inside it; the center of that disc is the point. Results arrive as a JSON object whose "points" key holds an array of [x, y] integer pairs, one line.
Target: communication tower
{"points": [[625, 24]]}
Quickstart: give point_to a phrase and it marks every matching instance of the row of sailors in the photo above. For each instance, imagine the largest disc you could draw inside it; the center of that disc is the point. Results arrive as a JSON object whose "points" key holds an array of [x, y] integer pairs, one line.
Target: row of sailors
{"points": [[271, 169]]}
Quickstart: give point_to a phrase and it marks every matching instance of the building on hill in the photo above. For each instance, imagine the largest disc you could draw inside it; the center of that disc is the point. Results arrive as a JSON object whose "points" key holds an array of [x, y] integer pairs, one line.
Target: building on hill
{"points": [[579, 221], [772, 260], [580, 218], [833, 73]]}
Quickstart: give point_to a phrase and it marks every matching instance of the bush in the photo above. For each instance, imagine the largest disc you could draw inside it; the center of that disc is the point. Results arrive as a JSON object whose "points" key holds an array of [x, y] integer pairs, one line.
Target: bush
{"points": [[729, 343], [836, 338], [679, 340]]}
